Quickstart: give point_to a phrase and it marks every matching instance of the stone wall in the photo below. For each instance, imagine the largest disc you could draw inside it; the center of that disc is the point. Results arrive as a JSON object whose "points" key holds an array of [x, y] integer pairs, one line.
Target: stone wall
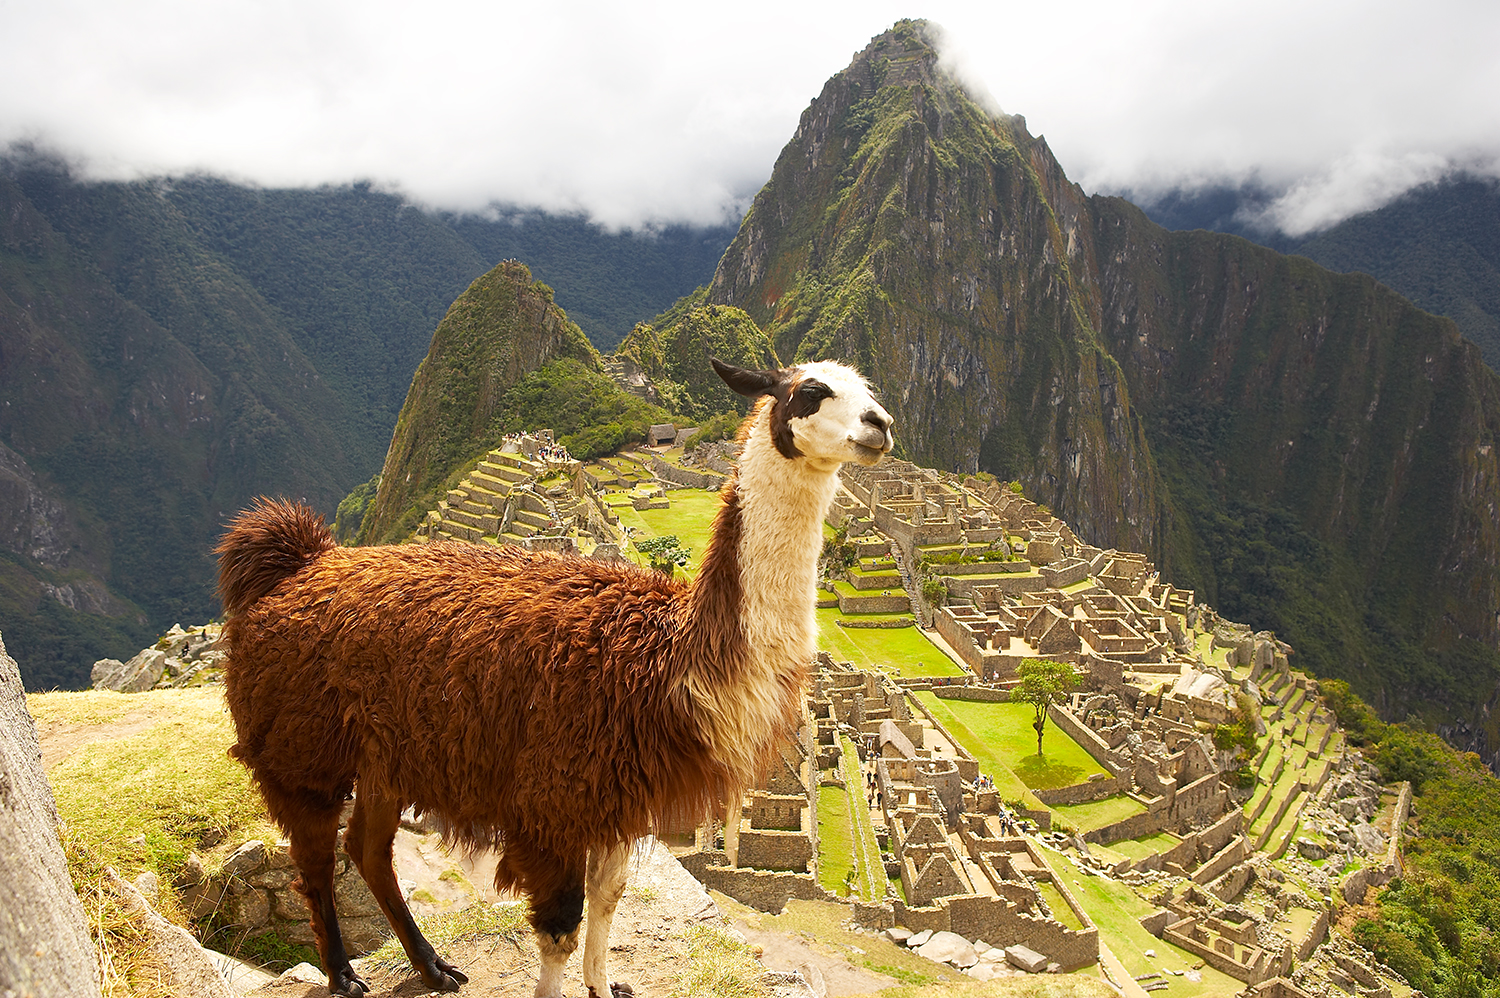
{"points": [[254, 891], [873, 604], [1083, 793], [1085, 736], [763, 890], [1221, 861], [999, 923], [1133, 827], [982, 694], [682, 476], [1316, 934], [771, 849]]}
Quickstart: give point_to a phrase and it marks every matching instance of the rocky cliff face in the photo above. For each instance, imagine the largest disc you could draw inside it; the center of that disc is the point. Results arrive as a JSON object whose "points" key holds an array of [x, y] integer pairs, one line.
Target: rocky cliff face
{"points": [[1309, 450]]}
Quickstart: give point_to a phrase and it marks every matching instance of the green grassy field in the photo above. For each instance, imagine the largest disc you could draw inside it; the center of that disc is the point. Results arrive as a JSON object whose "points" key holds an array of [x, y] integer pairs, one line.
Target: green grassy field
{"points": [[1000, 736], [835, 839], [691, 518], [1098, 813], [1146, 845], [902, 650]]}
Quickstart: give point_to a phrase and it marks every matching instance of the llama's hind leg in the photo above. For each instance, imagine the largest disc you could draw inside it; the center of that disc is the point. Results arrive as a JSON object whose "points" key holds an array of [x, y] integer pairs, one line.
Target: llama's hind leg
{"points": [[608, 871], [556, 888], [372, 829], [312, 839]]}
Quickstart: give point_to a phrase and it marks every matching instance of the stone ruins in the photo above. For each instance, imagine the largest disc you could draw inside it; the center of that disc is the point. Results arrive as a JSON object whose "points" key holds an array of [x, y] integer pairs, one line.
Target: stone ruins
{"points": [[1240, 858]]}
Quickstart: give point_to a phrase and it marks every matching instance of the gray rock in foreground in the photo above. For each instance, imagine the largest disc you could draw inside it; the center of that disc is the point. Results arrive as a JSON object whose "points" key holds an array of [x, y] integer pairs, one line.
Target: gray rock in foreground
{"points": [[45, 950]]}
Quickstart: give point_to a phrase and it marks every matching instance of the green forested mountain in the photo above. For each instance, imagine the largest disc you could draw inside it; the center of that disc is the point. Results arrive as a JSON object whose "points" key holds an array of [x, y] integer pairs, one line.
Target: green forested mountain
{"points": [[1308, 450], [1437, 244], [169, 349], [505, 358]]}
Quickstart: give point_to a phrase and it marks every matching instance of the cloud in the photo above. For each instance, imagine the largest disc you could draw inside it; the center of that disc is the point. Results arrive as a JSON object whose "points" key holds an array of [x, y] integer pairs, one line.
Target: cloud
{"points": [[639, 115]]}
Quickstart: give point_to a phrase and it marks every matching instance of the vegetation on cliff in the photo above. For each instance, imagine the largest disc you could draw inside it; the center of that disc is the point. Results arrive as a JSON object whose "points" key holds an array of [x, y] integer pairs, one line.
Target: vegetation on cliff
{"points": [[673, 350], [499, 330], [1439, 923]]}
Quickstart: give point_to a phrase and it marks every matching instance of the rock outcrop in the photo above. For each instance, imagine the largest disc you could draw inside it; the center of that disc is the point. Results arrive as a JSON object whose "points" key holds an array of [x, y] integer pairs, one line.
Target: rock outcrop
{"points": [[44, 943]]}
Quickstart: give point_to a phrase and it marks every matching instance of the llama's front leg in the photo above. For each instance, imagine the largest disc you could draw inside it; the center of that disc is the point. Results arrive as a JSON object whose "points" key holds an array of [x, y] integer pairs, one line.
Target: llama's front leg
{"points": [[608, 870], [312, 840], [372, 829], [556, 910]]}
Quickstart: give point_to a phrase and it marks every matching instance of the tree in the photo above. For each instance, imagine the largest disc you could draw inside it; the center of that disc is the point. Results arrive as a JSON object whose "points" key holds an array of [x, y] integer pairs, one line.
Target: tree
{"points": [[1043, 683], [666, 554]]}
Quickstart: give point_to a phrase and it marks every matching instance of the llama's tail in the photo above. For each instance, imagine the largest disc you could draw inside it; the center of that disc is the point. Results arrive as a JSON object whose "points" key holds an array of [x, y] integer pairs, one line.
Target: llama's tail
{"points": [[266, 543]]}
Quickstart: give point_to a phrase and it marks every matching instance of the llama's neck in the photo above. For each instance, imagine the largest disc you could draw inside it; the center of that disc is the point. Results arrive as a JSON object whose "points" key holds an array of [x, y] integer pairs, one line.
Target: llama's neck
{"points": [[761, 573], [783, 504]]}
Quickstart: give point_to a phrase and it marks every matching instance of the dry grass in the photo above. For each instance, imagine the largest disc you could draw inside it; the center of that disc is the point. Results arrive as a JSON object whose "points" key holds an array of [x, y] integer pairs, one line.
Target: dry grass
{"points": [[144, 801], [719, 966], [479, 921], [127, 965]]}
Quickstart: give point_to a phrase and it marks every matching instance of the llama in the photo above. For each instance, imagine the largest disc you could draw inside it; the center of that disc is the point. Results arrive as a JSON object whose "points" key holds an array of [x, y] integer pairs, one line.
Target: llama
{"points": [[555, 707]]}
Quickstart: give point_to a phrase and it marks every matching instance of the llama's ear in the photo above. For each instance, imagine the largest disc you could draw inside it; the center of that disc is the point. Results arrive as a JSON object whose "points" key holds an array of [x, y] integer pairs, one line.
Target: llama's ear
{"points": [[746, 382]]}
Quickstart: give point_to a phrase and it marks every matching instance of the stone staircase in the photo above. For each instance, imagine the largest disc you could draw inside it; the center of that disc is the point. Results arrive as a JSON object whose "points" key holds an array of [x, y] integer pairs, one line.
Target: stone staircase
{"points": [[496, 502], [910, 585]]}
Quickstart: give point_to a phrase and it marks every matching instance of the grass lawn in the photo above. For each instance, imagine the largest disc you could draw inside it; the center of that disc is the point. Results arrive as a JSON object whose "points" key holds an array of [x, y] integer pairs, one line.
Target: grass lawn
{"points": [[1117, 911], [869, 871], [1098, 813], [1003, 732], [1146, 845], [144, 801], [903, 650], [1060, 910], [835, 840], [691, 518]]}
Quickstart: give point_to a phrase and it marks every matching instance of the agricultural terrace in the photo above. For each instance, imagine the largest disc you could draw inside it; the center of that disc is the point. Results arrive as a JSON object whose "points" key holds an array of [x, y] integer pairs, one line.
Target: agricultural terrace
{"points": [[1117, 910], [904, 651]]}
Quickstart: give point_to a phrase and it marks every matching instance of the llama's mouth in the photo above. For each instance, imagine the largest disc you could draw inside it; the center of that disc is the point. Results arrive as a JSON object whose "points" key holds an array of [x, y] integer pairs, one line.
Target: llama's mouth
{"points": [[868, 455]]}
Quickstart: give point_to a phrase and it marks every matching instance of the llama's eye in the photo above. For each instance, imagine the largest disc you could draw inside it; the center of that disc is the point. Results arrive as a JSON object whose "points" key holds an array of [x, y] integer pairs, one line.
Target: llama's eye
{"points": [[815, 392]]}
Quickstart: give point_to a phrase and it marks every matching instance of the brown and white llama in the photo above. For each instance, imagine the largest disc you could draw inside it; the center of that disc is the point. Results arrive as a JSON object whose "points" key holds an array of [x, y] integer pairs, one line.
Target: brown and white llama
{"points": [[557, 707]]}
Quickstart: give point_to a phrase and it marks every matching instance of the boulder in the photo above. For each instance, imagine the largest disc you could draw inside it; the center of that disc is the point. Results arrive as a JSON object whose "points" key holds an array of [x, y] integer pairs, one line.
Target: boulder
{"points": [[1309, 849], [898, 934], [136, 676], [949, 947], [106, 673], [919, 938], [1026, 958], [1370, 841]]}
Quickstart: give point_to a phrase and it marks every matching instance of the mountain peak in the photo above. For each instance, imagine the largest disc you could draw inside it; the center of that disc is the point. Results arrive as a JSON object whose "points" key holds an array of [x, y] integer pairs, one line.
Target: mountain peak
{"points": [[905, 54]]}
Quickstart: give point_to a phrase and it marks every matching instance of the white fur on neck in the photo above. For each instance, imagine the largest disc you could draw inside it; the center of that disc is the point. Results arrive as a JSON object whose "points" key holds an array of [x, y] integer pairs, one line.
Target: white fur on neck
{"points": [[782, 504]]}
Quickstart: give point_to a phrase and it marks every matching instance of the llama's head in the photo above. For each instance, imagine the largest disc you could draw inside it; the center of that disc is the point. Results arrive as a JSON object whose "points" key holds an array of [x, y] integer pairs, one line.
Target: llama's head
{"points": [[823, 411]]}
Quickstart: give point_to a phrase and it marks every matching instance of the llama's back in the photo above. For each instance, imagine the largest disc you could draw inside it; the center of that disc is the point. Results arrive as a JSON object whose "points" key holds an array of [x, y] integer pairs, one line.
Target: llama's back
{"points": [[494, 687]]}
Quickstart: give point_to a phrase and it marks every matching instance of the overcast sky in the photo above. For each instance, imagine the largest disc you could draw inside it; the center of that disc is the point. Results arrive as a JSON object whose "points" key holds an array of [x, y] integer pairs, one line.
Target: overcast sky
{"points": [[642, 114]]}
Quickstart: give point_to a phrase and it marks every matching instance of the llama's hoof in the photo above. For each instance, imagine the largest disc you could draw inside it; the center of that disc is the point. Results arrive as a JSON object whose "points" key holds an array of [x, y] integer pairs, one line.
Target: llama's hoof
{"points": [[347, 984], [443, 976], [616, 990]]}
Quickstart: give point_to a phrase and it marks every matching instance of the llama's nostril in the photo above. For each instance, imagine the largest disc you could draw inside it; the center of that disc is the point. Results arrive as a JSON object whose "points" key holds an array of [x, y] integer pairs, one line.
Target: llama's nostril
{"points": [[877, 419]]}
